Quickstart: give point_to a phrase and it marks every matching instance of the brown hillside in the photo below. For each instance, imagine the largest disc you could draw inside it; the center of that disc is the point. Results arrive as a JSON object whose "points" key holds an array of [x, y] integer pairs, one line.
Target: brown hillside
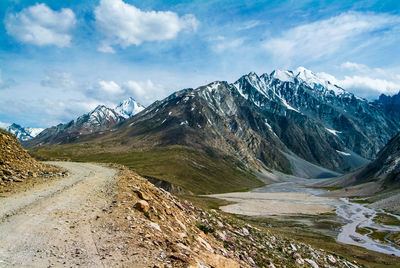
{"points": [[16, 164]]}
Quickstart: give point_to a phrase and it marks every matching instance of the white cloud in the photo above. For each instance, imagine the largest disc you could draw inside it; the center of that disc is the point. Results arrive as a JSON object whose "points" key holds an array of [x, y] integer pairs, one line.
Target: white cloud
{"points": [[222, 44], [352, 66], [40, 25], [346, 32], [4, 125], [145, 92], [126, 25], [56, 79], [247, 25], [365, 81], [367, 85], [111, 92], [110, 87]]}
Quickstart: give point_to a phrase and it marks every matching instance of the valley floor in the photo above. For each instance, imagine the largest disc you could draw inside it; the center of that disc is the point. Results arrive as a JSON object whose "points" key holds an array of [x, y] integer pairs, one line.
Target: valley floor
{"points": [[355, 224]]}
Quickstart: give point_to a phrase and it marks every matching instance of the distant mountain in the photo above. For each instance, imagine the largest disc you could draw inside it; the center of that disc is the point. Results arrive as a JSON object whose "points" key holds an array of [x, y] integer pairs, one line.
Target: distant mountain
{"points": [[23, 133], [129, 108], [390, 104], [100, 119], [378, 182], [386, 167], [293, 121]]}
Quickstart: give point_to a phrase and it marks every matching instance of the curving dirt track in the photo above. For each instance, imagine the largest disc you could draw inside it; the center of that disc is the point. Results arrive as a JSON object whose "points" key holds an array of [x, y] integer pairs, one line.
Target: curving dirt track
{"points": [[52, 224]]}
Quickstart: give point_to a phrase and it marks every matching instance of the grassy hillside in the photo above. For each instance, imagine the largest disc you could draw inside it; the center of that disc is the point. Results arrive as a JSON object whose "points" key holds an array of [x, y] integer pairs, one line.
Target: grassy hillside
{"points": [[196, 171]]}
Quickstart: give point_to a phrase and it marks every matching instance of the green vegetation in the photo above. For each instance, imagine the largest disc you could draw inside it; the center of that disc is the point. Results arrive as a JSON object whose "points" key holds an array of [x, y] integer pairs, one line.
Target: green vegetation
{"points": [[386, 219], [380, 236], [205, 228], [196, 171], [360, 200], [364, 230], [205, 202]]}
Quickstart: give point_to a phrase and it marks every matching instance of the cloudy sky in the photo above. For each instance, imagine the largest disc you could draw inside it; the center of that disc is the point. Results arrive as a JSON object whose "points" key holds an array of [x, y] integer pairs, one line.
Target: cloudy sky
{"points": [[59, 59]]}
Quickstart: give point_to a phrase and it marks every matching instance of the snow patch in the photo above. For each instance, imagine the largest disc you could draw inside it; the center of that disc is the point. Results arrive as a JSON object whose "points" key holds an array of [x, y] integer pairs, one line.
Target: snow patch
{"points": [[343, 153], [332, 131]]}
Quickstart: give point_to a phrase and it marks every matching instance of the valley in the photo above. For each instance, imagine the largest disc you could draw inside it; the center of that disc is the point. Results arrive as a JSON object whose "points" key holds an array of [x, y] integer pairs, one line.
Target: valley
{"points": [[293, 201], [200, 134], [286, 151]]}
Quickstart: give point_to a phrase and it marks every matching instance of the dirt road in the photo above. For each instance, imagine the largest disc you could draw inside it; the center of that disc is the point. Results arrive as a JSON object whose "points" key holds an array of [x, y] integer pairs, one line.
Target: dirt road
{"points": [[52, 224]]}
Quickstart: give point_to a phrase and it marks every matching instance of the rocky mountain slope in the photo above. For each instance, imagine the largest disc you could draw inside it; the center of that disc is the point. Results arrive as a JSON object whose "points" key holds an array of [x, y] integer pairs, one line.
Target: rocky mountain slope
{"points": [[286, 120], [378, 182], [390, 104], [385, 167], [23, 133], [183, 235], [100, 119], [15, 163]]}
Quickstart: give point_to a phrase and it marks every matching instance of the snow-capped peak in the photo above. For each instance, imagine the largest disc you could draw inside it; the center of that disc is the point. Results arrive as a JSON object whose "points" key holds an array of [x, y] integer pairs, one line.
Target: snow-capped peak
{"points": [[128, 108], [302, 74], [284, 76], [316, 81], [22, 133]]}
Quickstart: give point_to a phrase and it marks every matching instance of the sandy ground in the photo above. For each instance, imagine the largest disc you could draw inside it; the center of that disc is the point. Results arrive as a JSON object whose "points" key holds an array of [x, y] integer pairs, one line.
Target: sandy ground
{"points": [[267, 204], [50, 224]]}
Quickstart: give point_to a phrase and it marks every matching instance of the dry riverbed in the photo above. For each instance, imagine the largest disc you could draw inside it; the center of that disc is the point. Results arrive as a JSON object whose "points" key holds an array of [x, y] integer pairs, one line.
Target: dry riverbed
{"points": [[269, 204], [292, 202]]}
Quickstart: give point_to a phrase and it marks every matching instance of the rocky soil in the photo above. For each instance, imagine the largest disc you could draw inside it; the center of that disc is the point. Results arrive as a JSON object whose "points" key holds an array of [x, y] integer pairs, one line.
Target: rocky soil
{"points": [[16, 165]]}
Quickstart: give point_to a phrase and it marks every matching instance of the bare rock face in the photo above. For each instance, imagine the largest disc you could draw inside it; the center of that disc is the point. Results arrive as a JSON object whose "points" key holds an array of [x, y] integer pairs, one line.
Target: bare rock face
{"points": [[386, 167], [16, 164]]}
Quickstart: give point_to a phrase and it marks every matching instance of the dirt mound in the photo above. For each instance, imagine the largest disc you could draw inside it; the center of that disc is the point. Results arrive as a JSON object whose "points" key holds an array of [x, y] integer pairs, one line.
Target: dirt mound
{"points": [[16, 164]]}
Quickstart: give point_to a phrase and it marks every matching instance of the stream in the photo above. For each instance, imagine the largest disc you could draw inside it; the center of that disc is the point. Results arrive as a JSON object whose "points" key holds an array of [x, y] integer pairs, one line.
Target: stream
{"points": [[359, 215], [352, 214]]}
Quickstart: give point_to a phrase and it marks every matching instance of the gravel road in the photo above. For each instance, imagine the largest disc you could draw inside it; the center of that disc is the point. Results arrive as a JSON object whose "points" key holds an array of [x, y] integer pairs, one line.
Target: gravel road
{"points": [[51, 224]]}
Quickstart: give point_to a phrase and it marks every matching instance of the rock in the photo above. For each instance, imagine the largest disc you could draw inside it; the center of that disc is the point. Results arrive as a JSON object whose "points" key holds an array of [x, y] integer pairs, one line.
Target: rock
{"points": [[312, 263], [7, 172], [142, 195], [142, 206], [245, 232], [251, 261], [296, 256], [155, 226], [331, 259]]}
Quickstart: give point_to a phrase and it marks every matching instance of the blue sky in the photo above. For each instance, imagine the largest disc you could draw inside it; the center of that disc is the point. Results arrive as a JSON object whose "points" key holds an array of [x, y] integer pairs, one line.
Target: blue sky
{"points": [[59, 59]]}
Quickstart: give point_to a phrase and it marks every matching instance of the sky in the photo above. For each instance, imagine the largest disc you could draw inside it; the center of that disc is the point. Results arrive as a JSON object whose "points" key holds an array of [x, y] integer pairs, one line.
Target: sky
{"points": [[60, 59]]}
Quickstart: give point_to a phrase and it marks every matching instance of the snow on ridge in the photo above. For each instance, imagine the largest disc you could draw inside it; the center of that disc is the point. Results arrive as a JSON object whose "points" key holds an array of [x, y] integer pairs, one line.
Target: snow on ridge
{"points": [[343, 153], [333, 131], [129, 108], [284, 76]]}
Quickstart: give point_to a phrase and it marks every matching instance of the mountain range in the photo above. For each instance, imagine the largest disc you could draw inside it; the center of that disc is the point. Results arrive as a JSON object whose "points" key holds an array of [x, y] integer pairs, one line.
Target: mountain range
{"points": [[100, 119], [23, 133], [295, 122]]}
